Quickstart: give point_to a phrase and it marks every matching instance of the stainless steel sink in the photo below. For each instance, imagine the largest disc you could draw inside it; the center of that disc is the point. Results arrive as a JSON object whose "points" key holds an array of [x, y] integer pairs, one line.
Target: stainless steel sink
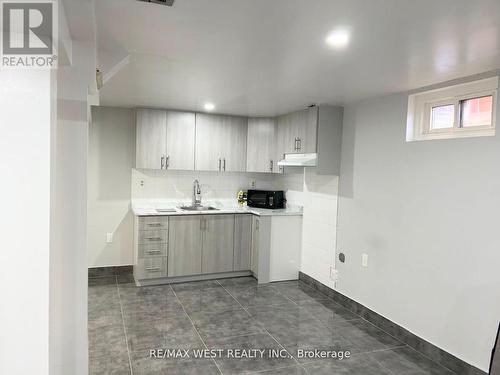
{"points": [[198, 208]]}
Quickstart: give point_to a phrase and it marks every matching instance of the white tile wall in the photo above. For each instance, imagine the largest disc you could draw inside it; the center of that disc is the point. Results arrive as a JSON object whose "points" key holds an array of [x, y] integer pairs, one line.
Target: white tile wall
{"points": [[149, 184], [319, 199]]}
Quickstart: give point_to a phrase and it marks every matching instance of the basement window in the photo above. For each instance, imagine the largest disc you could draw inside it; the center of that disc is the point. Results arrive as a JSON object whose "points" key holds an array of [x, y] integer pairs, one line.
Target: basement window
{"points": [[466, 110]]}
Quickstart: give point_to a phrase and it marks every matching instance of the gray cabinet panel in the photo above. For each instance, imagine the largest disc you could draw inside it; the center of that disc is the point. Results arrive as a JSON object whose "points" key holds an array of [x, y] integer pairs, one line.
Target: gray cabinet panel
{"points": [[218, 242], [209, 140], [150, 268], [184, 246], [180, 140], [234, 143], [151, 138], [261, 145], [242, 242]]}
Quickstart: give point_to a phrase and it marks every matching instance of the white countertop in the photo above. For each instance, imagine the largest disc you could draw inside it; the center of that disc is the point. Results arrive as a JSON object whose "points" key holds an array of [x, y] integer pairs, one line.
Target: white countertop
{"points": [[224, 206]]}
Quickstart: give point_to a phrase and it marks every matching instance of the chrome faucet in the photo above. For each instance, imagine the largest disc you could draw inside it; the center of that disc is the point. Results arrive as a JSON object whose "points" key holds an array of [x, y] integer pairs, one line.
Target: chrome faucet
{"points": [[196, 194]]}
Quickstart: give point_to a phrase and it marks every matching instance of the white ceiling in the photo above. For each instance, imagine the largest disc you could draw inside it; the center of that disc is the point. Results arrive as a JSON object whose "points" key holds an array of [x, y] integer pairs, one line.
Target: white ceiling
{"points": [[267, 57]]}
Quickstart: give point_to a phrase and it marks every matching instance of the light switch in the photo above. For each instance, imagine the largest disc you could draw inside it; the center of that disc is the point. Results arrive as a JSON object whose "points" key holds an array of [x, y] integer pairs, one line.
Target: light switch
{"points": [[364, 260], [109, 237]]}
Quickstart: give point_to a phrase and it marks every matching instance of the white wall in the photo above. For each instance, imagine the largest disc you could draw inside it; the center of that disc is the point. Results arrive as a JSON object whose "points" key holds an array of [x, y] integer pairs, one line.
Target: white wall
{"points": [[426, 213], [111, 158], [25, 153], [68, 271], [319, 232]]}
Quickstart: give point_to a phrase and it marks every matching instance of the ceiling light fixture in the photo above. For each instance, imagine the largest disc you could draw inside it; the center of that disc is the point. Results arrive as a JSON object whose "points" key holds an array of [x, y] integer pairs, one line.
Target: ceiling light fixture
{"points": [[338, 38], [209, 107]]}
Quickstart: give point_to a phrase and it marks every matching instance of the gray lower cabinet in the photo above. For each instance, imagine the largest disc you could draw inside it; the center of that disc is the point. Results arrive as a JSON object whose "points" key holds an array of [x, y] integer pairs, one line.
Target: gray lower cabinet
{"points": [[218, 243], [184, 245], [242, 242]]}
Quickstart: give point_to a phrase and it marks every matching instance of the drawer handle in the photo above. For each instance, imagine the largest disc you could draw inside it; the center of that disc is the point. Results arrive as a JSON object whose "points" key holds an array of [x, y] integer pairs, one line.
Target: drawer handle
{"points": [[153, 251], [153, 238], [154, 225], [153, 269]]}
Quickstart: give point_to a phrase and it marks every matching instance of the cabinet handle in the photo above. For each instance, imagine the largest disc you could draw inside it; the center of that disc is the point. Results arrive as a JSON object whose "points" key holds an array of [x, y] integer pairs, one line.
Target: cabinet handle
{"points": [[299, 140], [153, 269], [257, 225], [167, 164], [219, 163], [224, 164], [162, 161], [271, 165], [296, 144], [154, 225], [153, 251], [153, 238]]}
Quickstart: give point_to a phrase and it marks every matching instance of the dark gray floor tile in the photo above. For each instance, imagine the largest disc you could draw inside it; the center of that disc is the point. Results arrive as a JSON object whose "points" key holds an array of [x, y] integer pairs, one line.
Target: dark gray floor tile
{"points": [[293, 370], [100, 281], [260, 341], [103, 315], [356, 365], [298, 291], [196, 285], [164, 333], [107, 341], [207, 299], [284, 316], [127, 278], [224, 324], [149, 303], [130, 292], [238, 283], [144, 365], [255, 296], [406, 361], [364, 336], [327, 311], [114, 365]]}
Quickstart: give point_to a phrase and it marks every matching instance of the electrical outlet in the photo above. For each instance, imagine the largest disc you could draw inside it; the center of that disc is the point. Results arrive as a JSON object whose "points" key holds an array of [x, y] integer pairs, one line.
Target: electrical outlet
{"points": [[109, 237], [334, 274], [364, 260]]}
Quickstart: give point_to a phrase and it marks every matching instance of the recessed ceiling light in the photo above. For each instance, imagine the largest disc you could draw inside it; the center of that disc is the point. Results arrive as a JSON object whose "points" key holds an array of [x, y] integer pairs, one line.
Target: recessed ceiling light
{"points": [[338, 38], [209, 106]]}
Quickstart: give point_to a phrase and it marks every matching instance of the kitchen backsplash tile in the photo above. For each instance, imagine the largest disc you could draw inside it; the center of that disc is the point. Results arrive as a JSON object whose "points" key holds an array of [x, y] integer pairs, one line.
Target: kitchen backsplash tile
{"points": [[152, 184]]}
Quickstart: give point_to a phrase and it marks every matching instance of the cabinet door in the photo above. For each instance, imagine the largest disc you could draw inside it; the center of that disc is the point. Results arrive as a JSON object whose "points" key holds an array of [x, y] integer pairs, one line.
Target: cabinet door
{"points": [[261, 153], [286, 136], [180, 140], [151, 138], [218, 242], [307, 129], [208, 142], [254, 264], [184, 246], [242, 242], [234, 143]]}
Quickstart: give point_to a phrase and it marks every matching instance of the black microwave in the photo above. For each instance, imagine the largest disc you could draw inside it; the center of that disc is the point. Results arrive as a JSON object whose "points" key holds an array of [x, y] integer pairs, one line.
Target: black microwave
{"points": [[266, 199]]}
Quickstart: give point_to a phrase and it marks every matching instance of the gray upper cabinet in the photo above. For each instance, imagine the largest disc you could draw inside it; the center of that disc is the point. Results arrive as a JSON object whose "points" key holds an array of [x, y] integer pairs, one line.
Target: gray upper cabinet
{"points": [[180, 140], [184, 245], [164, 139], [220, 143], [261, 145], [151, 138], [218, 243], [208, 142], [297, 132], [234, 146]]}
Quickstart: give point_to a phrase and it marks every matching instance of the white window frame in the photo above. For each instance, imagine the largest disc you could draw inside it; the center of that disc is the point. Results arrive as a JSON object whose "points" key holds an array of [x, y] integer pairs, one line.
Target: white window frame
{"points": [[420, 110]]}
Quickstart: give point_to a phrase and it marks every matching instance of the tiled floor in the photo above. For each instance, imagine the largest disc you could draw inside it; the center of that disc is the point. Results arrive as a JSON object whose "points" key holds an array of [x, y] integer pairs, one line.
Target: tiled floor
{"points": [[125, 322]]}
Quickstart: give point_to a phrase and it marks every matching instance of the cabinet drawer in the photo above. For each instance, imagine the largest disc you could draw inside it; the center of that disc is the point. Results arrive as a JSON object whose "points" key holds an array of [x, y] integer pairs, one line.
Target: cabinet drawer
{"points": [[147, 237], [151, 268], [153, 222], [152, 250]]}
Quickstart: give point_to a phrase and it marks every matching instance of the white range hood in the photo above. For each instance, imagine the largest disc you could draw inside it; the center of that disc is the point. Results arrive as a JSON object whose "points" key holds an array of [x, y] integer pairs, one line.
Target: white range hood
{"points": [[299, 160]]}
